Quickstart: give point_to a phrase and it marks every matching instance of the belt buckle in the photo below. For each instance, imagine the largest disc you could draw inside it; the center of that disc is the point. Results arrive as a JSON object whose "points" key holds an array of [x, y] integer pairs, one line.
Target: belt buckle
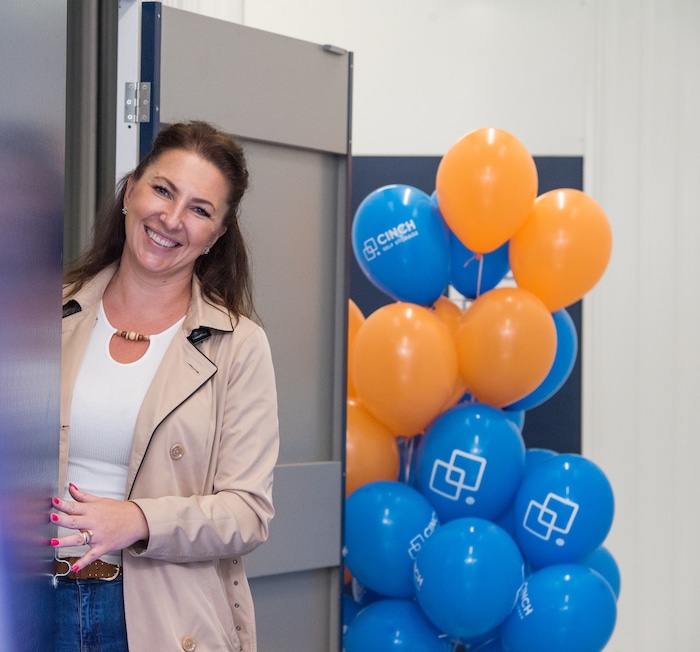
{"points": [[62, 561]]}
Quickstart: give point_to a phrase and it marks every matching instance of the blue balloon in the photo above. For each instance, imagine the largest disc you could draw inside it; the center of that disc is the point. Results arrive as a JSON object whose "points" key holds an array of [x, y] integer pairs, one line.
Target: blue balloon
{"points": [[472, 274], [517, 417], [602, 561], [563, 510], [398, 625], [350, 609], [533, 456], [507, 521], [401, 243], [467, 577], [483, 641], [562, 607], [492, 646], [470, 462], [386, 523], [564, 360]]}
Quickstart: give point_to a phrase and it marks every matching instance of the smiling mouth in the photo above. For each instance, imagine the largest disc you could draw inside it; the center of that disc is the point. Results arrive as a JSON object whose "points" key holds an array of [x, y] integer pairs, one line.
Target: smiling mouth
{"points": [[159, 239]]}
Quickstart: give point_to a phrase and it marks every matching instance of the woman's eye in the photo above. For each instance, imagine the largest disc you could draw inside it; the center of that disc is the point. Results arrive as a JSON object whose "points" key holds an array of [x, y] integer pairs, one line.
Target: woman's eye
{"points": [[201, 211], [162, 190]]}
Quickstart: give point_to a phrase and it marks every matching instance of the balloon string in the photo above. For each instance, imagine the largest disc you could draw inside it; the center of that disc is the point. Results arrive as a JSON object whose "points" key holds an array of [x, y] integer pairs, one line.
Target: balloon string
{"points": [[469, 260], [480, 258], [408, 459], [478, 278]]}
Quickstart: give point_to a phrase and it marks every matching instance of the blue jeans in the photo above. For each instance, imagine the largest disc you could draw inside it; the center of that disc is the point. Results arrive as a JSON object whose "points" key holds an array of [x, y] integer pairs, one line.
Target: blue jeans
{"points": [[90, 616]]}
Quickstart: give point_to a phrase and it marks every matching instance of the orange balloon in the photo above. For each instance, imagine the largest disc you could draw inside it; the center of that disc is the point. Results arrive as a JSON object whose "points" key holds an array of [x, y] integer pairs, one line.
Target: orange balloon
{"points": [[450, 314], [486, 184], [563, 248], [506, 345], [404, 366], [371, 449], [355, 319]]}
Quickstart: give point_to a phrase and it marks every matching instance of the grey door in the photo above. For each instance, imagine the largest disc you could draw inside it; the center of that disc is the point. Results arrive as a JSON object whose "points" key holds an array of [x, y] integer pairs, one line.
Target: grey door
{"points": [[289, 101]]}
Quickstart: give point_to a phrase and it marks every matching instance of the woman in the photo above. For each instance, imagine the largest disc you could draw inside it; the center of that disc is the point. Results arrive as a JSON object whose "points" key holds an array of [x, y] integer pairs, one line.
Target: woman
{"points": [[169, 430]]}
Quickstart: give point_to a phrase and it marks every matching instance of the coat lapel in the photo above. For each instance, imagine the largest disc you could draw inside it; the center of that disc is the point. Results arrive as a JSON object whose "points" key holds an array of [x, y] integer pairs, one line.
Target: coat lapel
{"points": [[182, 372]]}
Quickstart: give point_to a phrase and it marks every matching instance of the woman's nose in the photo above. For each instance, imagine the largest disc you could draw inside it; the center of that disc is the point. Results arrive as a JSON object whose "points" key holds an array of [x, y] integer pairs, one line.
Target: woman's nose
{"points": [[172, 216]]}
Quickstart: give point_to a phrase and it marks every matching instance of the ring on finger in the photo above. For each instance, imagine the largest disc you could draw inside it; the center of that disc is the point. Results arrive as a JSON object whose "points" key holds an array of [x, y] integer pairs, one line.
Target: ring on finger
{"points": [[87, 536]]}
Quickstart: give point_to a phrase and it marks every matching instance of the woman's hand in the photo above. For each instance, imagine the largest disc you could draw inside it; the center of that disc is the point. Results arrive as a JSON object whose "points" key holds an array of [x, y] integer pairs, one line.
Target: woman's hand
{"points": [[109, 524]]}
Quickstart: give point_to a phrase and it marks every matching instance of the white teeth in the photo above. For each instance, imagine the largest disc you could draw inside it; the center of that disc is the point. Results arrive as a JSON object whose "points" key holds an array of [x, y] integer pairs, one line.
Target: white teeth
{"points": [[164, 242]]}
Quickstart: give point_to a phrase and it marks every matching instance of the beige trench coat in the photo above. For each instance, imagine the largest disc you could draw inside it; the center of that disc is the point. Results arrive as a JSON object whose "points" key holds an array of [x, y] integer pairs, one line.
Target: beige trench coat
{"points": [[204, 448]]}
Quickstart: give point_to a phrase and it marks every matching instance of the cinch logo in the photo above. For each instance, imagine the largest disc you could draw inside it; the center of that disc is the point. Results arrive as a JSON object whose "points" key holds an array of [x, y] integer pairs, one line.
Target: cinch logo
{"points": [[524, 604], [417, 577], [464, 471], [370, 250], [373, 247], [555, 514], [417, 542]]}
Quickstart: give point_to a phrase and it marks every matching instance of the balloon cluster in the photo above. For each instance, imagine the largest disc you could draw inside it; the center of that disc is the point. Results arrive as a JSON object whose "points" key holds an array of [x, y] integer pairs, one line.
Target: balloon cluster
{"points": [[458, 537]]}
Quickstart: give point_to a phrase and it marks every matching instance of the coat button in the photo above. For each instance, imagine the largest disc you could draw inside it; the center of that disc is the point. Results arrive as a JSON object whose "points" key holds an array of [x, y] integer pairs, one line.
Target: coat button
{"points": [[176, 452], [189, 644]]}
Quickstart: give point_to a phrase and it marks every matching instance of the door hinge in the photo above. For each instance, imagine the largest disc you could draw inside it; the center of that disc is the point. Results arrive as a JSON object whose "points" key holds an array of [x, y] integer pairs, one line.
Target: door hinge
{"points": [[137, 102]]}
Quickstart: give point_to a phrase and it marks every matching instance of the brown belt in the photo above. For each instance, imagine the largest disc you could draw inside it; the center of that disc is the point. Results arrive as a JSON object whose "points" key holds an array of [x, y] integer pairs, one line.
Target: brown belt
{"points": [[97, 570]]}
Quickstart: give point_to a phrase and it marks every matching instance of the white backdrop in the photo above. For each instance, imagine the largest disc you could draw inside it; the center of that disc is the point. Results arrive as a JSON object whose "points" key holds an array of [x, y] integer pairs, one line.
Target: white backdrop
{"points": [[618, 82]]}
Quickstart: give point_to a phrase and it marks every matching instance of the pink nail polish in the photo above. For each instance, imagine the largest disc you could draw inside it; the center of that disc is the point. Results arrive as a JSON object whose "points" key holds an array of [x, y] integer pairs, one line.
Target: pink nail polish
{"points": [[54, 517], [56, 501], [70, 484], [54, 542], [75, 569]]}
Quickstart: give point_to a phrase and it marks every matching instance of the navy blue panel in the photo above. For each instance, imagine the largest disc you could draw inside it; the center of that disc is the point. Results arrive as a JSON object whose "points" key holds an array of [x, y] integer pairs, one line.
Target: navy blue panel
{"points": [[151, 21], [559, 172], [556, 424]]}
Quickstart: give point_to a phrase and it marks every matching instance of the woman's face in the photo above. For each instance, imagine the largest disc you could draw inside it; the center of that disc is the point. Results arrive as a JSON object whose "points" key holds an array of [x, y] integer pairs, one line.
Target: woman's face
{"points": [[174, 212]]}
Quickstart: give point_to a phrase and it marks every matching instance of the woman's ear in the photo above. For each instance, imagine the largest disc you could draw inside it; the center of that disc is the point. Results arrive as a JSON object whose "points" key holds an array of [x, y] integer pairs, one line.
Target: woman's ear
{"points": [[129, 189], [219, 233]]}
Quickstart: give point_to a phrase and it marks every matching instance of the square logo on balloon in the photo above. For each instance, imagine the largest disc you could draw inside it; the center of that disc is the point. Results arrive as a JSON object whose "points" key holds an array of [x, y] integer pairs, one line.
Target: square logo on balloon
{"points": [[464, 471], [556, 514]]}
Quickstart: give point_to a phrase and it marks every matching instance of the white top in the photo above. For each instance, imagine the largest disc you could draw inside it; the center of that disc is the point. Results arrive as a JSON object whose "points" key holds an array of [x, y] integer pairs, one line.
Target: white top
{"points": [[106, 401]]}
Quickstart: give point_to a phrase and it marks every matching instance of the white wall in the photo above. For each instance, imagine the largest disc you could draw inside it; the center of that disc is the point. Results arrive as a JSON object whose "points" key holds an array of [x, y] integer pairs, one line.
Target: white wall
{"points": [[617, 81], [641, 349]]}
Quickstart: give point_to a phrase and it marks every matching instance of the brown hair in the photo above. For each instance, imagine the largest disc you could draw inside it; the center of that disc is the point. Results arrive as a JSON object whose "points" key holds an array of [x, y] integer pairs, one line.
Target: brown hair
{"points": [[225, 272]]}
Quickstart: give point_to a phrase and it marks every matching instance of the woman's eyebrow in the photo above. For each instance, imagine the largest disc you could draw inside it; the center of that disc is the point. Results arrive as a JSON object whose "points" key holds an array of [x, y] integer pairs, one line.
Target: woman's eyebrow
{"points": [[199, 200]]}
